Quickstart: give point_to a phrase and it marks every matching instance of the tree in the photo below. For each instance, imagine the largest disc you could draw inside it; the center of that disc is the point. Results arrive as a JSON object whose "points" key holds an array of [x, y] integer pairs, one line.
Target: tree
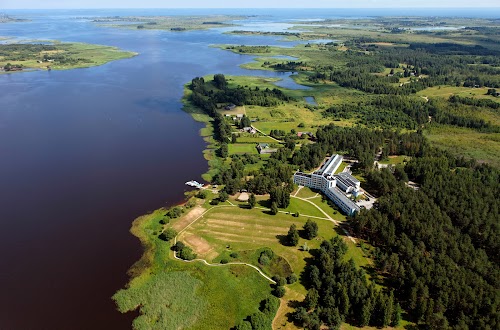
{"points": [[279, 291], [223, 196], [292, 278], [243, 325], [260, 321], [310, 229], [312, 298], [168, 234], [396, 315], [245, 122], [274, 208], [178, 246], [234, 138], [292, 238], [220, 81], [252, 201], [223, 150]]}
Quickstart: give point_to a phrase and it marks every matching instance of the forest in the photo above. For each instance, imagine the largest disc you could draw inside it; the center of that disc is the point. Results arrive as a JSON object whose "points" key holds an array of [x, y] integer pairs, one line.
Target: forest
{"points": [[438, 247]]}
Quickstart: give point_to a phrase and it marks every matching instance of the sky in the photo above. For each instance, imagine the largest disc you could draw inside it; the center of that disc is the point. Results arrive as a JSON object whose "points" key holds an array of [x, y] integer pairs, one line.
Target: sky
{"points": [[63, 4]]}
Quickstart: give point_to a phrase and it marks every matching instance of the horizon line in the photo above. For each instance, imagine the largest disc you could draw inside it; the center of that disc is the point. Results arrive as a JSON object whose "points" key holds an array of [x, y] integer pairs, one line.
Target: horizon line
{"points": [[281, 8]]}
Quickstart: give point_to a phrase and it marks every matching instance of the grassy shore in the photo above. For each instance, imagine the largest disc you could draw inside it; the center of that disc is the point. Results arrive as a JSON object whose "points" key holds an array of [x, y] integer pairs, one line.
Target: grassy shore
{"points": [[173, 294], [170, 23], [58, 55]]}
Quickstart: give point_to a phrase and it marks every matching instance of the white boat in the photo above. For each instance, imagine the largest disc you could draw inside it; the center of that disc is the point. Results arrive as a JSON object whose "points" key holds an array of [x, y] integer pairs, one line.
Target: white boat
{"points": [[195, 184]]}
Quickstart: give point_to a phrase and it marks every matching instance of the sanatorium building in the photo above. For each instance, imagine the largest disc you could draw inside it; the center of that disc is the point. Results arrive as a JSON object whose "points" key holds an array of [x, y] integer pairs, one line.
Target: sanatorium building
{"points": [[334, 186]]}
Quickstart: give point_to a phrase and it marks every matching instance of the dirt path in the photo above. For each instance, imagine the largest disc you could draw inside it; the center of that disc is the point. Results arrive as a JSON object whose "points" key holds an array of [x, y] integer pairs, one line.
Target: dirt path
{"points": [[300, 187]]}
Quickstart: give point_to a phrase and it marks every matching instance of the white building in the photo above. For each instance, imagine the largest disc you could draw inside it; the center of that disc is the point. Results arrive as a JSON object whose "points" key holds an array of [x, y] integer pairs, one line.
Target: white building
{"points": [[333, 186]]}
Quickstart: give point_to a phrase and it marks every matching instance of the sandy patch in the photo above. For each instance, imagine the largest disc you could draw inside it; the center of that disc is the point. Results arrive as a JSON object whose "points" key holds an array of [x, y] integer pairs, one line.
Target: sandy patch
{"points": [[198, 244], [244, 197], [188, 218]]}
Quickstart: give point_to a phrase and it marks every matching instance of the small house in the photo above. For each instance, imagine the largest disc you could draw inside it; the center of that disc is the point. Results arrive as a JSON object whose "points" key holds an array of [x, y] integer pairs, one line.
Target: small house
{"points": [[264, 148]]}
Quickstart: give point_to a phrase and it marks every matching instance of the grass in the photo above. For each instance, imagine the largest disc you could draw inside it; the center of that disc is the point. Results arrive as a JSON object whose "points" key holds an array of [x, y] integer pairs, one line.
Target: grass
{"points": [[447, 91], [84, 55], [395, 160], [172, 294], [305, 192], [484, 147], [173, 23], [242, 148]]}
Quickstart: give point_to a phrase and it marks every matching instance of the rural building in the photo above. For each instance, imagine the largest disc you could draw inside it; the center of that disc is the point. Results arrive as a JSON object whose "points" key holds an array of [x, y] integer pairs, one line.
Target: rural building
{"points": [[335, 187], [230, 107], [263, 148], [250, 130]]}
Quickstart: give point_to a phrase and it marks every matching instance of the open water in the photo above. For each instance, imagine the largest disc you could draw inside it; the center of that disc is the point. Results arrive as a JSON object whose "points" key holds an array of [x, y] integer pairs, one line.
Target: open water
{"points": [[83, 152]]}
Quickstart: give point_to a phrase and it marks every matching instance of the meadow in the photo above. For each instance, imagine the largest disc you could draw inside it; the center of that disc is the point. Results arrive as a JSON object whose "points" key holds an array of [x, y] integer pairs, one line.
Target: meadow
{"points": [[58, 55]]}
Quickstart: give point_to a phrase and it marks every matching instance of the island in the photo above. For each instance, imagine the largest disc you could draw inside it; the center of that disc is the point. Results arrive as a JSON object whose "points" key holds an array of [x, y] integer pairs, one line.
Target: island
{"points": [[367, 198], [54, 55], [4, 18], [170, 23]]}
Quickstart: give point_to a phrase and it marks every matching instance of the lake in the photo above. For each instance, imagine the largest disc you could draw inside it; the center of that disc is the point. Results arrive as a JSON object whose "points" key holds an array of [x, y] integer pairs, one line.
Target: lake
{"points": [[84, 152]]}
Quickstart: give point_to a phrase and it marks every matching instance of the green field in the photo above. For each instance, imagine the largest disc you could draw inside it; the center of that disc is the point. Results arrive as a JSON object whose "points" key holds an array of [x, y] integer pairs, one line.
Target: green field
{"points": [[242, 148], [173, 294], [395, 160], [75, 55], [485, 147]]}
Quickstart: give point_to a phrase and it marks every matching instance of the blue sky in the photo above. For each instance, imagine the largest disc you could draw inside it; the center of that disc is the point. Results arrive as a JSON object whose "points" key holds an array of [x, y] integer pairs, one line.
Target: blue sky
{"points": [[50, 4]]}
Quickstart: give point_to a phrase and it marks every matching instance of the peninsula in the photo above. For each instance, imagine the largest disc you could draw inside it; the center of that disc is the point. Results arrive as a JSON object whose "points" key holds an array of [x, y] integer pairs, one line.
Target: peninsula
{"points": [[54, 55], [361, 199]]}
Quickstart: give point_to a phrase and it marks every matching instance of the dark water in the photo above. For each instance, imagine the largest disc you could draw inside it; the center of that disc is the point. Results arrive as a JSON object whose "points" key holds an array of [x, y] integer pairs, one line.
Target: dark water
{"points": [[84, 152]]}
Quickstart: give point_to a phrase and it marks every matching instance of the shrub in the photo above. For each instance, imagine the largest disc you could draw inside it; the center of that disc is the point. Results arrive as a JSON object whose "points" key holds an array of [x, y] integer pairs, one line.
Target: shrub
{"points": [[291, 279], [279, 291], [187, 254], [264, 260], [168, 234], [202, 194], [224, 261], [178, 246], [280, 281], [234, 255]]}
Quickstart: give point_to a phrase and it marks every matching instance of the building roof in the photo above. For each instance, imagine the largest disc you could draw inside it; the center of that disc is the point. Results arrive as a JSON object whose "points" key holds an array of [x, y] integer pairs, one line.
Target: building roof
{"points": [[331, 165], [347, 179], [337, 192]]}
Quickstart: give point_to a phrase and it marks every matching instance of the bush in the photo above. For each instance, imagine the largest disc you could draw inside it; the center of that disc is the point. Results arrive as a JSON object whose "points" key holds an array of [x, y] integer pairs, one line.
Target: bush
{"points": [[264, 260], [270, 306], [224, 261], [187, 254], [178, 246], [280, 281], [202, 194], [190, 203], [234, 255], [168, 234], [279, 291], [291, 279]]}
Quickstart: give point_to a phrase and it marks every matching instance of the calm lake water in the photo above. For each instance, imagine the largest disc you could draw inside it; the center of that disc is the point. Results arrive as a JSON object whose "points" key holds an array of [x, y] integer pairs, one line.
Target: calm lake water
{"points": [[83, 152]]}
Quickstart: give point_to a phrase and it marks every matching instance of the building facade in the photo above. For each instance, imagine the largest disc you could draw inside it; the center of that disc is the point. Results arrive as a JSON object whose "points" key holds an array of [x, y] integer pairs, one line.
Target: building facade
{"points": [[335, 187]]}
